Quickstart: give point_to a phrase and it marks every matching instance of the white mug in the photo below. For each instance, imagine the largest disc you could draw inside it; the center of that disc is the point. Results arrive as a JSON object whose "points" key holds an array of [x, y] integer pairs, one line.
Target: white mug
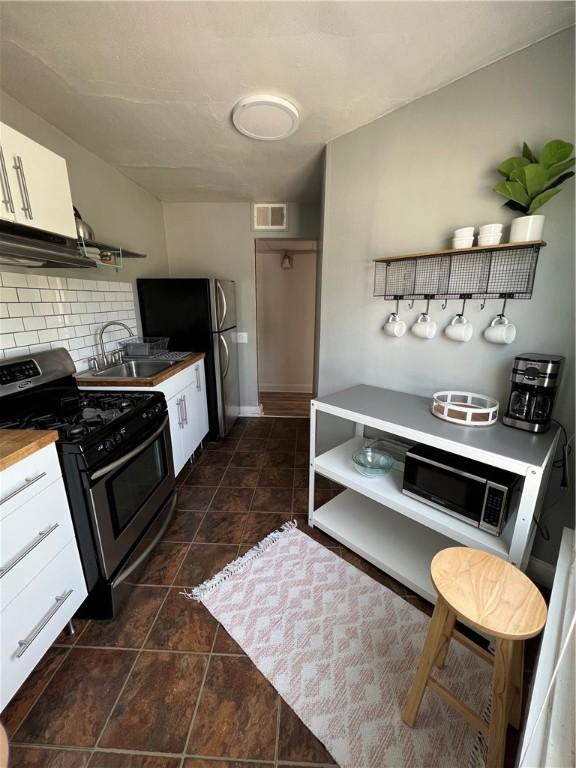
{"points": [[394, 326], [500, 331], [424, 327], [459, 329]]}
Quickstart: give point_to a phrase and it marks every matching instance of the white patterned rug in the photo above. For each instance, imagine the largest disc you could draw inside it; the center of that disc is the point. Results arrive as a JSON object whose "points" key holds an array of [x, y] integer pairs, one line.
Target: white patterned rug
{"points": [[342, 650]]}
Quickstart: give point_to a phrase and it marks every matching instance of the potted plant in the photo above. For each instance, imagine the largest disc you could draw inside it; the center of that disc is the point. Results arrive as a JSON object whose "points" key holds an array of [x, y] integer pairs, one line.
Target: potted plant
{"points": [[531, 182]]}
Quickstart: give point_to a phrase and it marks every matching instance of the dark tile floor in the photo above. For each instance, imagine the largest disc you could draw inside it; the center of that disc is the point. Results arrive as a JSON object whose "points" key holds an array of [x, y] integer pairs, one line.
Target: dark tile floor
{"points": [[163, 685]]}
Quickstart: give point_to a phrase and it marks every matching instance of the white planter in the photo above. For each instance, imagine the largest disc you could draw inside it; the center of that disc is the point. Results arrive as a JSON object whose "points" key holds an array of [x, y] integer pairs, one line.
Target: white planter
{"points": [[527, 228]]}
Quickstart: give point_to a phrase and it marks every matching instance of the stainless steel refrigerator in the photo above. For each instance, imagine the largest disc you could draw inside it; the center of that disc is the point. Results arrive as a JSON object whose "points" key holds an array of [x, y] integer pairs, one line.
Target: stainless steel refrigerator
{"points": [[198, 315]]}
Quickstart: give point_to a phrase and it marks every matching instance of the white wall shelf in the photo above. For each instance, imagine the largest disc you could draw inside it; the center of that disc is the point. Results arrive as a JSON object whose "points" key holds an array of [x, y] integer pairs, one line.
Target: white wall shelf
{"points": [[400, 534]]}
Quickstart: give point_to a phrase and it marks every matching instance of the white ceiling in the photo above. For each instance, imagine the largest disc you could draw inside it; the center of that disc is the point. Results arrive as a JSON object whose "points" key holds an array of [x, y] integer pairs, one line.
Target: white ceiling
{"points": [[149, 86]]}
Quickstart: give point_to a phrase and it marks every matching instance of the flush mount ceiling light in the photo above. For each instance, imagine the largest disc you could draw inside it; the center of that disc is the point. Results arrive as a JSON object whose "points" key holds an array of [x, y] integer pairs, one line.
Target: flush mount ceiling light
{"points": [[267, 118]]}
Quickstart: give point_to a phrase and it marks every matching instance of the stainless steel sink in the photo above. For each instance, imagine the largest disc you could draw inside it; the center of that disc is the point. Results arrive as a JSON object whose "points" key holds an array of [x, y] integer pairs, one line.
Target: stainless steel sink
{"points": [[134, 369]]}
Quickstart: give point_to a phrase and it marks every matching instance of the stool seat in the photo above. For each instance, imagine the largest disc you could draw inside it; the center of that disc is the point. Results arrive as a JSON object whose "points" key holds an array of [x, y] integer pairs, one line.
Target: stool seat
{"points": [[489, 593]]}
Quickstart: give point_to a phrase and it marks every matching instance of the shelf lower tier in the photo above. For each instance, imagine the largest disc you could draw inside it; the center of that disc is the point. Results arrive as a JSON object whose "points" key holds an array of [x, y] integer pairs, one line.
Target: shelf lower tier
{"points": [[337, 464], [397, 545]]}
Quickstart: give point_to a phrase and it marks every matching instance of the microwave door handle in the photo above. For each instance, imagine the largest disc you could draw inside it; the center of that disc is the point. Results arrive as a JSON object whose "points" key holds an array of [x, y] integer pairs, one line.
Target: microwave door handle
{"points": [[127, 457]]}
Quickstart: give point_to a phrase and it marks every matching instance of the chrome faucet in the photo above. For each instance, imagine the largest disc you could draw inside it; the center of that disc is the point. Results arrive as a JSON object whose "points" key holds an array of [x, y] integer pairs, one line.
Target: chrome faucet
{"points": [[103, 356]]}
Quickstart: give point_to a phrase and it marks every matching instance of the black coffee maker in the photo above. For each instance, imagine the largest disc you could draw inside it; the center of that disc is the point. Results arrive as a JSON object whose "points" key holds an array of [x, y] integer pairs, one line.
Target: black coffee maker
{"points": [[535, 379]]}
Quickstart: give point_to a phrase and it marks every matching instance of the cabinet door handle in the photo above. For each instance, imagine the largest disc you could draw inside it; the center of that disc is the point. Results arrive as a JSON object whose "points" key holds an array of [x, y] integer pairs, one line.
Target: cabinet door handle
{"points": [[197, 371], [27, 484], [27, 549], [23, 645], [185, 409], [6, 191], [180, 413], [19, 168]]}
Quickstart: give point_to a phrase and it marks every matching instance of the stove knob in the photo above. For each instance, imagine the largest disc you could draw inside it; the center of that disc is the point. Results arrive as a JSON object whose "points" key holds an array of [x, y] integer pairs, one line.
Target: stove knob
{"points": [[145, 415], [117, 438], [108, 445]]}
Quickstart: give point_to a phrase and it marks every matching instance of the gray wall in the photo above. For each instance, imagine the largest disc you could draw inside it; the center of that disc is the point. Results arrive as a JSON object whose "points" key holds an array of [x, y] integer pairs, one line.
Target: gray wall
{"points": [[401, 184], [120, 212], [216, 240]]}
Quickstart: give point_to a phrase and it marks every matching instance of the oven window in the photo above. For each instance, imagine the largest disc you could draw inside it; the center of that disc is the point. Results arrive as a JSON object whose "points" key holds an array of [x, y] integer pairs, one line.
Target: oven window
{"points": [[134, 483]]}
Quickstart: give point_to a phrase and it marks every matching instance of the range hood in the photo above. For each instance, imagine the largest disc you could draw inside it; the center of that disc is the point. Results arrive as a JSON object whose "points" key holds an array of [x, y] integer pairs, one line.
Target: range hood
{"points": [[27, 247]]}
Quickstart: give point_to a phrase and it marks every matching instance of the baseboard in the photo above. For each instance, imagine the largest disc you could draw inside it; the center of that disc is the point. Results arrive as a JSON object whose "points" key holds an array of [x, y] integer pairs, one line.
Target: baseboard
{"points": [[250, 410], [305, 388], [541, 572]]}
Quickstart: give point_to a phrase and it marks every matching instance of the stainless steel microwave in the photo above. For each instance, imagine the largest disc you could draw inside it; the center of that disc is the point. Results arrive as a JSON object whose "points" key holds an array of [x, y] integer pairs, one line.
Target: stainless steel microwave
{"points": [[477, 493]]}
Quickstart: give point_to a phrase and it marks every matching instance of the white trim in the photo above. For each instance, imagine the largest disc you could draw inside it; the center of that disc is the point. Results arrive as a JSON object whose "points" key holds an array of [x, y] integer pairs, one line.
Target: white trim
{"points": [[541, 572], [250, 410]]}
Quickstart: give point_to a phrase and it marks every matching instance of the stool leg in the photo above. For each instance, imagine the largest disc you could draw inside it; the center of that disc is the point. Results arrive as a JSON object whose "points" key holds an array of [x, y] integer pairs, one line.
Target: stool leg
{"points": [[516, 682], [445, 644], [436, 633], [501, 691]]}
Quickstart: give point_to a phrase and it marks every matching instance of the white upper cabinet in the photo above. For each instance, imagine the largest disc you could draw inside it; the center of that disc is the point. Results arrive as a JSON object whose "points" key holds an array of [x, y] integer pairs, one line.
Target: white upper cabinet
{"points": [[34, 185]]}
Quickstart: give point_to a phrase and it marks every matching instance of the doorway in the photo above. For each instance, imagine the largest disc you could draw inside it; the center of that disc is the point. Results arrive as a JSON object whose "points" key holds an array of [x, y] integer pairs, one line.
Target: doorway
{"points": [[286, 317]]}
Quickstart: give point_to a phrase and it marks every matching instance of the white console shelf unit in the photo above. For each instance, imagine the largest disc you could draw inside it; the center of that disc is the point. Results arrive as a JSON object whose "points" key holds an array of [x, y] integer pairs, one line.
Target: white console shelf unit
{"points": [[400, 534]]}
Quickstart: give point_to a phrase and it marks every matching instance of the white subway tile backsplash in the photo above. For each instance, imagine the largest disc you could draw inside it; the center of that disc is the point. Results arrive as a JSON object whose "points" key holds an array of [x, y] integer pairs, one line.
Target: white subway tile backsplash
{"points": [[33, 323], [43, 309], [48, 335], [19, 310], [55, 321], [37, 281], [28, 294], [53, 312], [8, 294], [49, 294], [14, 280], [57, 282], [26, 338]]}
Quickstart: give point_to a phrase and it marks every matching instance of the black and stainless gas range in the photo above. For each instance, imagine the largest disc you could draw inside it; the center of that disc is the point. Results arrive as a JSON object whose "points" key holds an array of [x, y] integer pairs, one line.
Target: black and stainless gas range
{"points": [[116, 458]]}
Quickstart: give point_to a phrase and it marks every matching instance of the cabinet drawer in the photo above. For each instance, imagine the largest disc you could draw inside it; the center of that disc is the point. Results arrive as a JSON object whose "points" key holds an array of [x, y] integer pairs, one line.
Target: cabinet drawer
{"points": [[26, 479], [177, 383], [31, 623], [31, 537]]}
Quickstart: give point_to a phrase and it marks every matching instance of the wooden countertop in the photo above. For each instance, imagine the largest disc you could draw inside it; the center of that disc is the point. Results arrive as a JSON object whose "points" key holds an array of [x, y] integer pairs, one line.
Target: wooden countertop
{"points": [[16, 444], [86, 380]]}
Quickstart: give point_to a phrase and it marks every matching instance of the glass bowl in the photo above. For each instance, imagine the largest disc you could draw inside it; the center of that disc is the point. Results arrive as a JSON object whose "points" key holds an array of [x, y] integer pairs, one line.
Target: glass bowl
{"points": [[372, 461]]}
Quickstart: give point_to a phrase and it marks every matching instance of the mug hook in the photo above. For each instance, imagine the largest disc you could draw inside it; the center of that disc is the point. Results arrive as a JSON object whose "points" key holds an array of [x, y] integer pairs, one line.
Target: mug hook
{"points": [[461, 313], [444, 305], [411, 304], [483, 304], [503, 310]]}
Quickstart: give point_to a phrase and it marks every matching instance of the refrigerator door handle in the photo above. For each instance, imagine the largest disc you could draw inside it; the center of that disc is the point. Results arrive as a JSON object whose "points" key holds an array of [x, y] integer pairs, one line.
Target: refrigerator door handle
{"points": [[227, 366], [222, 304]]}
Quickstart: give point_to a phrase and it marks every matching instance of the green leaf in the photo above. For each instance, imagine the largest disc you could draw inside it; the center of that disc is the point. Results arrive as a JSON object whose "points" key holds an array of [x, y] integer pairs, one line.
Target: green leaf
{"points": [[533, 178], [558, 168], [513, 190], [555, 152], [528, 154], [515, 206], [560, 180], [511, 164], [539, 201]]}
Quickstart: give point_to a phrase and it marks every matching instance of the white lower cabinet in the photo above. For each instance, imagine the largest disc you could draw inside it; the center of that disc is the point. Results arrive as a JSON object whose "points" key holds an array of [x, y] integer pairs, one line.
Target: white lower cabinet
{"points": [[188, 412], [41, 577]]}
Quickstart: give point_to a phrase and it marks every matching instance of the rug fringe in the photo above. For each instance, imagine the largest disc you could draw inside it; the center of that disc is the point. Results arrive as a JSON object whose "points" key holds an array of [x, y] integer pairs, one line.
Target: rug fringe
{"points": [[240, 562]]}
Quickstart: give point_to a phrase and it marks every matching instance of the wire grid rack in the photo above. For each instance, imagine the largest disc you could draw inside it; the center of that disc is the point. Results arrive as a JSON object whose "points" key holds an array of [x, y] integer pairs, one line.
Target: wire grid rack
{"points": [[478, 273]]}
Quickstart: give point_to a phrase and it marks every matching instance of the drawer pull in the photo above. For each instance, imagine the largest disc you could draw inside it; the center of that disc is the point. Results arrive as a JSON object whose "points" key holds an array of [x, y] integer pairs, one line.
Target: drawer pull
{"points": [[27, 549], [23, 645], [27, 484]]}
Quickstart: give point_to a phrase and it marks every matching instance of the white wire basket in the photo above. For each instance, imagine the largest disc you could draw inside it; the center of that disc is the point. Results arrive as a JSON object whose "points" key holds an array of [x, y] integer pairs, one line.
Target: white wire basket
{"points": [[468, 409]]}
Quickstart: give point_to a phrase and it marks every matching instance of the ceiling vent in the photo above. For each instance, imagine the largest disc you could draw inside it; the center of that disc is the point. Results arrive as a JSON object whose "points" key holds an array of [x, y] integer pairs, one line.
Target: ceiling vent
{"points": [[270, 216]]}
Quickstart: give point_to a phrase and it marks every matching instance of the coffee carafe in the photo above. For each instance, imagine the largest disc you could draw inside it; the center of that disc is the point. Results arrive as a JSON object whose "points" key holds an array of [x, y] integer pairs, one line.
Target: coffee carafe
{"points": [[535, 379]]}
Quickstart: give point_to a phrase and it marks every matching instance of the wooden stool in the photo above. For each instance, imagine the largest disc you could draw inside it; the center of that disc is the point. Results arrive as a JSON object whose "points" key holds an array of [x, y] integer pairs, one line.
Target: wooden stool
{"points": [[499, 600]]}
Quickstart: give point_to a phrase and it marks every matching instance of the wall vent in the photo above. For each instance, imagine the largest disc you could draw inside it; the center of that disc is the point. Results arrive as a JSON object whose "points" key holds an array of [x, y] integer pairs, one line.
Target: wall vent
{"points": [[270, 216]]}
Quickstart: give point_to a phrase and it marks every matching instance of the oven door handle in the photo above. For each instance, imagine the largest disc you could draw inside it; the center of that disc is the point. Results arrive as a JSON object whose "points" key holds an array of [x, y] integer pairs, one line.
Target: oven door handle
{"points": [[124, 574], [127, 457]]}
